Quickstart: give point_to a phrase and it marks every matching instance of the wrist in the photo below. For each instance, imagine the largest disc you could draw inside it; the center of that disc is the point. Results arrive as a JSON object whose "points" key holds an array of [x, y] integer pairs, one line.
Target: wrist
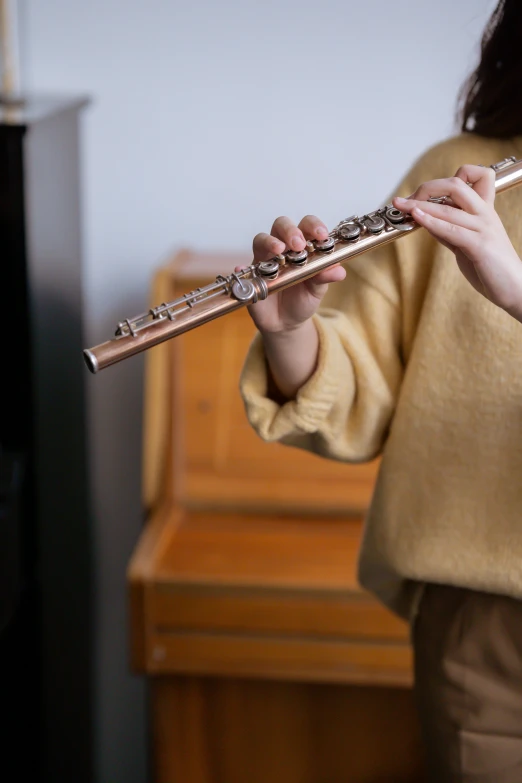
{"points": [[288, 334], [292, 356]]}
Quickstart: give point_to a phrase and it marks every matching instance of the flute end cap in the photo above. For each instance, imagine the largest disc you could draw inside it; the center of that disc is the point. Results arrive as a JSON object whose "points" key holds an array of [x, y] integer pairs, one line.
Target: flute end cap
{"points": [[91, 361]]}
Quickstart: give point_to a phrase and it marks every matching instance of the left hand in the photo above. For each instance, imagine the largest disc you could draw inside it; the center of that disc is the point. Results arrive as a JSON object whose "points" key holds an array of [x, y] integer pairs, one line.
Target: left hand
{"points": [[469, 226]]}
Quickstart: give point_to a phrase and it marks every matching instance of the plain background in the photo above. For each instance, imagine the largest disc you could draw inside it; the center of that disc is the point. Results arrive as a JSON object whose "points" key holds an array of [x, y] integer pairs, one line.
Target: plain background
{"points": [[207, 120]]}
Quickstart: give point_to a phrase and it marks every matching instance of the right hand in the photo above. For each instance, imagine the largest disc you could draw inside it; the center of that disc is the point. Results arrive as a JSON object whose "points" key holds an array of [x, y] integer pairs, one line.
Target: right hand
{"points": [[286, 310]]}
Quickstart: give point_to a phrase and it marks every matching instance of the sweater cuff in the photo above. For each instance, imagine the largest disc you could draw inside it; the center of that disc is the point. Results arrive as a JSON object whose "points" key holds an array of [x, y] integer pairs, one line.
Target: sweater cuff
{"points": [[314, 400]]}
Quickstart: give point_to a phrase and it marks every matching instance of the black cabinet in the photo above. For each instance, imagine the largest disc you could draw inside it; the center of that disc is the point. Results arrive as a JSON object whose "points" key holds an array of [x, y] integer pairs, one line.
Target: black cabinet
{"points": [[45, 594]]}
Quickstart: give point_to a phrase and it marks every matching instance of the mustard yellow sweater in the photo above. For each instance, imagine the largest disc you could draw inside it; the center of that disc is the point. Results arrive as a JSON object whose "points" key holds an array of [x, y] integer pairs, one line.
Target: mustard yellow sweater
{"points": [[416, 365]]}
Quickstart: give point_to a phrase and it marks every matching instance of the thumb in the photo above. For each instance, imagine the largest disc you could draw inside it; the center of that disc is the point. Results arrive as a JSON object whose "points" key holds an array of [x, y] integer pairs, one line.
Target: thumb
{"points": [[318, 284]]}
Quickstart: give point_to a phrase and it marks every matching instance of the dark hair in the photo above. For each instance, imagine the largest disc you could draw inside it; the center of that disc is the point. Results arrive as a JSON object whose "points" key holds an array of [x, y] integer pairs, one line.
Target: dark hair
{"points": [[490, 101]]}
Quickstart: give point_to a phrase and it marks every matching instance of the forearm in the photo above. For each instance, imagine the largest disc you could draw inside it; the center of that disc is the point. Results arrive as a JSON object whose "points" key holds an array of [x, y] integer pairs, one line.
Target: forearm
{"points": [[292, 357]]}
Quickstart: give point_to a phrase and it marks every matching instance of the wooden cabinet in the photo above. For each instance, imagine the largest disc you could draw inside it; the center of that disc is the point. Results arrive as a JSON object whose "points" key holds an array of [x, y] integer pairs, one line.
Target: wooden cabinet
{"points": [[266, 660]]}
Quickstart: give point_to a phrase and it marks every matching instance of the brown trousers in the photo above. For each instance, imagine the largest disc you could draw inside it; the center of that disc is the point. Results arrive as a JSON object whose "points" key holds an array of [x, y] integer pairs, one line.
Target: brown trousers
{"points": [[468, 672]]}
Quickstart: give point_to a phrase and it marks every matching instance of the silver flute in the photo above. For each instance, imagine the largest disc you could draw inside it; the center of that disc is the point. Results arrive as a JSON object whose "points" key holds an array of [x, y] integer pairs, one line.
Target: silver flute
{"points": [[351, 237]]}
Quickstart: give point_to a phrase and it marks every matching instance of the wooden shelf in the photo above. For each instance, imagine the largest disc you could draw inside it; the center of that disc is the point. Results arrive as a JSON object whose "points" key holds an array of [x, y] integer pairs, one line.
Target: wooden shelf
{"points": [[219, 593]]}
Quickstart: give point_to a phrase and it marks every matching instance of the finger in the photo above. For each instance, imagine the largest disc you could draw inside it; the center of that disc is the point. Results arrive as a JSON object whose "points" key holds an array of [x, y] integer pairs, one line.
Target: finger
{"points": [[447, 233], [442, 211], [482, 180], [318, 284], [287, 231], [454, 187], [313, 228], [333, 274], [266, 246]]}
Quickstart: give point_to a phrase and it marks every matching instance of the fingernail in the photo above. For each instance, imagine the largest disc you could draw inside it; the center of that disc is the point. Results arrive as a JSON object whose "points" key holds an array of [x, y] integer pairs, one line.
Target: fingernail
{"points": [[296, 243], [400, 199], [321, 232], [417, 211]]}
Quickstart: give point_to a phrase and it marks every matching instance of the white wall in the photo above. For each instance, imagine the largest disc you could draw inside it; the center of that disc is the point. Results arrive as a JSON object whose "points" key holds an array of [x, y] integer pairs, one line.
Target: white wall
{"points": [[208, 120]]}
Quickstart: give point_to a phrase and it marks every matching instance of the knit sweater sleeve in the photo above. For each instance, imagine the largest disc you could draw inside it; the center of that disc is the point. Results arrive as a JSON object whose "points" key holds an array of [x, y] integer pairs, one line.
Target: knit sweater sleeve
{"points": [[344, 410]]}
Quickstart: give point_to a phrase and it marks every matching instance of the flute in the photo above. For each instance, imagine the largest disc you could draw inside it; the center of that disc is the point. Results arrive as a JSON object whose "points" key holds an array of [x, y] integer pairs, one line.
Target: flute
{"points": [[351, 237]]}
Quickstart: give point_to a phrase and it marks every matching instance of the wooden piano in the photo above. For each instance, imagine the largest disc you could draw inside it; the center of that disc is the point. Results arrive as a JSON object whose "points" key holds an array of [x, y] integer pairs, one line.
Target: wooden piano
{"points": [[266, 662]]}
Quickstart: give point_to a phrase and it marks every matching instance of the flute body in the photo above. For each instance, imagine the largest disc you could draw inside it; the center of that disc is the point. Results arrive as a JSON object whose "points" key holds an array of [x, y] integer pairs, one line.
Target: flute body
{"points": [[351, 237]]}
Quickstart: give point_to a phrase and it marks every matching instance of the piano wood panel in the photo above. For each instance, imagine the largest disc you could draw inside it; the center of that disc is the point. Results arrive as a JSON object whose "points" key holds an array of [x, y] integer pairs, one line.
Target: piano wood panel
{"points": [[231, 730], [220, 461], [266, 660]]}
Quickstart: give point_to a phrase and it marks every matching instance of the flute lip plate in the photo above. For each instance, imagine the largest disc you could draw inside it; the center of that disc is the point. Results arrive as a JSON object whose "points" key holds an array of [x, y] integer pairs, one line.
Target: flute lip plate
{"points": [[91, 361]]}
